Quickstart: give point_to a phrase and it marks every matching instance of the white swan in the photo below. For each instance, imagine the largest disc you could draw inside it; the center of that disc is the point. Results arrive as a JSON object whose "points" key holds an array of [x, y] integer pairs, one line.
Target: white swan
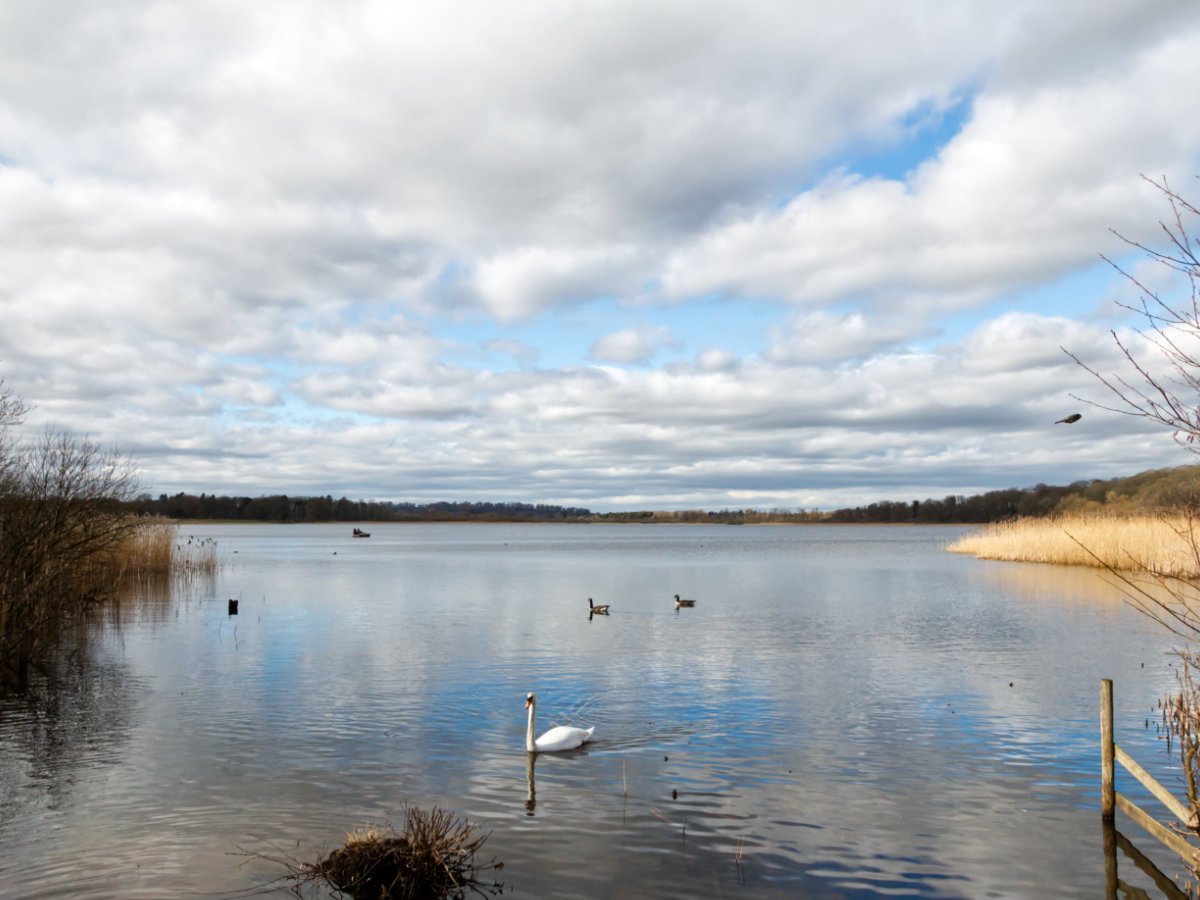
{"points": [[563, 737]]}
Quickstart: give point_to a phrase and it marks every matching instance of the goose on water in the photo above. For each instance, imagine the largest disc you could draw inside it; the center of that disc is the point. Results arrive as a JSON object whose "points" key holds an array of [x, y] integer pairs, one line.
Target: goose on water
{"points": [[683, 602], [561, 737], [599, 610]]}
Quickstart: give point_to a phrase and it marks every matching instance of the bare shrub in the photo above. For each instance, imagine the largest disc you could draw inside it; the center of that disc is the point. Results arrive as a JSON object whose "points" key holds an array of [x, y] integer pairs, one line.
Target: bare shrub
{"points": [[60, 526], [1171, 325], [1170, 397]]}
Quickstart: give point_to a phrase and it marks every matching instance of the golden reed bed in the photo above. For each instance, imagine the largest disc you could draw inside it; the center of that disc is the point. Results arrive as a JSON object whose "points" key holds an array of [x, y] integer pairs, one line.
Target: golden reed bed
{"points": [[1164, 545], [154, 547]]}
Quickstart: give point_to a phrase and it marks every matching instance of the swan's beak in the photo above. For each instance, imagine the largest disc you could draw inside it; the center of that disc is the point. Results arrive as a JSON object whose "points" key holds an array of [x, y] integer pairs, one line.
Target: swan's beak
{"points": [[528, 702]]}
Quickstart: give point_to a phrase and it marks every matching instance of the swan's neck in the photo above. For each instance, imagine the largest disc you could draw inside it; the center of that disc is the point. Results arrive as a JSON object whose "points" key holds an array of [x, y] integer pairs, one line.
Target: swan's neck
{"points": [[529, 732]]}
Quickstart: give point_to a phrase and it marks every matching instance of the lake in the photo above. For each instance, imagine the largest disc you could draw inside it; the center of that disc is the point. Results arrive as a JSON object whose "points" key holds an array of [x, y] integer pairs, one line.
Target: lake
{"points": [[847, 712]]}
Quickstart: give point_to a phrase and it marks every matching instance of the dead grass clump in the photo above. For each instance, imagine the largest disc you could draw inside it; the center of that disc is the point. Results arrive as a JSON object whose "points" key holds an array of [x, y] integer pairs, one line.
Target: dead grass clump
{"points": [[433, 857], [1158, 544]]}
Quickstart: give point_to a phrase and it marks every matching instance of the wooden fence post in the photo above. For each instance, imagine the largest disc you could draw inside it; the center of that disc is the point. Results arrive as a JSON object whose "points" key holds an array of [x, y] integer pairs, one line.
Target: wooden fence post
{"points": [[1108, 798], [1111, 881]]}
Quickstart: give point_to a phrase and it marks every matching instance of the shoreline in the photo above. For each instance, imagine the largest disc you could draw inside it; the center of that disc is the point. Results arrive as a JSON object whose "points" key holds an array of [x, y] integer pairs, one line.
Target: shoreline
{"points": [[572, 522]]}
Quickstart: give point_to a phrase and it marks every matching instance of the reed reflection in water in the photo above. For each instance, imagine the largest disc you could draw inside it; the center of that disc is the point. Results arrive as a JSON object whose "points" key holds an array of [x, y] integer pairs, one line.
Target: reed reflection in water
{"points": [[847, 712]]}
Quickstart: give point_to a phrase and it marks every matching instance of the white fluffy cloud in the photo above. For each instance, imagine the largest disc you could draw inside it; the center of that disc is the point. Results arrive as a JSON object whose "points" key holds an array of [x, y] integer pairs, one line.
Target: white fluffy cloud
{"points": [[631, 345], [526, 280], [819, 336]]}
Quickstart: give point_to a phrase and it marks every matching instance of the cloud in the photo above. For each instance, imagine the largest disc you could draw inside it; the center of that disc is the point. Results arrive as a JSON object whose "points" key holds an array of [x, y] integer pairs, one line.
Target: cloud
{"points": [[821, 336], [529, 279], [522, 353], [1018, 196], [631, 345], [303, 248], [952, 420]]}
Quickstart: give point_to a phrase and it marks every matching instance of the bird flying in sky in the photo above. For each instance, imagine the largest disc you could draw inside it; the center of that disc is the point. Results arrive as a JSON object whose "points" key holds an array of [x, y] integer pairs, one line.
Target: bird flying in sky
{"points": [[1073, 417]]}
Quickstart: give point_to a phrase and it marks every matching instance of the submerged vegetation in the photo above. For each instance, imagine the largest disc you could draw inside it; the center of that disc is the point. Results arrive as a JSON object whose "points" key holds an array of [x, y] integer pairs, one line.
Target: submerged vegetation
{"points": [[433, 856]]}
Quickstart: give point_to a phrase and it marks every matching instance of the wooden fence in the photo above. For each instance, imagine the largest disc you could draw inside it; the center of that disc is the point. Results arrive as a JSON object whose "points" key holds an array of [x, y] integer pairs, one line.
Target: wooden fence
{"points": [[1111, 799]]}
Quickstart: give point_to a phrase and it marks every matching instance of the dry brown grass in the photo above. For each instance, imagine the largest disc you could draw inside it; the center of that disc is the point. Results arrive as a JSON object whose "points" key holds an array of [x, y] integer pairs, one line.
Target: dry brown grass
{"points": [[154, 548], [147, 550], [433, 856], [1161, 545]]}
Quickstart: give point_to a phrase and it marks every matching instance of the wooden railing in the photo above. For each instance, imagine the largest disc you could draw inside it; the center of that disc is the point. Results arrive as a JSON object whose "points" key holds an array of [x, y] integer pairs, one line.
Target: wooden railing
{"points": [[1111, 799]]}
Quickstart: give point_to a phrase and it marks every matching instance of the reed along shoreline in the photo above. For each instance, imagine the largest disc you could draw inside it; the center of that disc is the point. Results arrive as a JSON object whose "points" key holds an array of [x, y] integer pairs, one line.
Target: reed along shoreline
{"points": [[1164, 544]]}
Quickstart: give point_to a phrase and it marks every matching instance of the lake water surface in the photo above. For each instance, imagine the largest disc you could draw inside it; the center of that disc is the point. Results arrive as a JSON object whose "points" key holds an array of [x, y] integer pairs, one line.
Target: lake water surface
{"points": [[847, 712]]}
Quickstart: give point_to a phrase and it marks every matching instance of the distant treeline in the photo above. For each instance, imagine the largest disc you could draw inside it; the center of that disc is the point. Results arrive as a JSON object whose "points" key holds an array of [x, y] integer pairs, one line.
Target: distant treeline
{"points": [[1153, 491], [990, 507], [1157, 490], [282, 508]]}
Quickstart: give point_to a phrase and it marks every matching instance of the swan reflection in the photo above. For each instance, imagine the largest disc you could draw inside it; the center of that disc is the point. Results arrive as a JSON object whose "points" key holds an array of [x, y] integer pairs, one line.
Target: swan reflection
{"points": [[531, 759], [530, 787]]}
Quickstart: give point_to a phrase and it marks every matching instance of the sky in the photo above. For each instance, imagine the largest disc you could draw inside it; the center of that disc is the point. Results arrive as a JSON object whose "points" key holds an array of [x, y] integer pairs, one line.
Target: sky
{"points": [[619, 255]]}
